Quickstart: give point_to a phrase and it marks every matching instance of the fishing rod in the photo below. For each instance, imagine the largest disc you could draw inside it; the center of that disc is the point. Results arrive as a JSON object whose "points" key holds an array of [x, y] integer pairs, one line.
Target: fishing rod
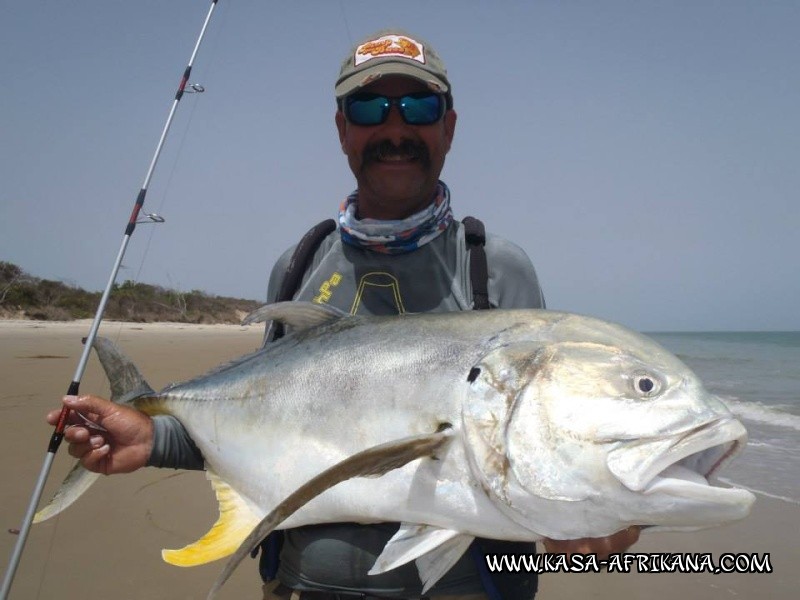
{"points": [[58, 433]]}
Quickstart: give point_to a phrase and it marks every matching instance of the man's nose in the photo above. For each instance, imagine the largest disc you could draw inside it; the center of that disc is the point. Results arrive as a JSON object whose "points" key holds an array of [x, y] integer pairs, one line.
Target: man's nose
{"points": [[395, 128]]}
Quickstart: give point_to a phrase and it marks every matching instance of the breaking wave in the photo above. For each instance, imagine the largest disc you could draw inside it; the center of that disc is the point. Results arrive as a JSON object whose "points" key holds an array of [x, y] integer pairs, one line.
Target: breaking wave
{"points": [[758, 413]]}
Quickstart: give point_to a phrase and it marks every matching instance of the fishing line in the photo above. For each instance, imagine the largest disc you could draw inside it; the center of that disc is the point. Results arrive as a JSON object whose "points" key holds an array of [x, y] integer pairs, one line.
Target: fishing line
{"points": [[164, 195], [74, 386], [205, 75], [192, 88], [46, 564], [346, 23], [213, 44]]}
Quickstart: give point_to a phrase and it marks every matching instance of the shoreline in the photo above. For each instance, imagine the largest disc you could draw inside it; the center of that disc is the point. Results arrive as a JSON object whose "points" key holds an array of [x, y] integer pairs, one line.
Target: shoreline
{"points": [[86, 323], [108, 543]]}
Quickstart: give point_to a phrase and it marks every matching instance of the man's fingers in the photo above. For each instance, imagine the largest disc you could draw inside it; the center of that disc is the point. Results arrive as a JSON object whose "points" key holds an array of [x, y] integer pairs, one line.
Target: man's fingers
{"points": [[52, 417], [90, 406], [91, 409], [106, 437], [76, 434], [84, 449], [79, 450], [94, 459], [631, 535], [602, 547]]}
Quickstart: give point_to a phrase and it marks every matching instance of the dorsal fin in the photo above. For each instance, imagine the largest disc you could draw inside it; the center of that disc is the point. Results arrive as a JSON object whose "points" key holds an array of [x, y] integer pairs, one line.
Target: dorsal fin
{"points": [[297, 315], [123, 376]]}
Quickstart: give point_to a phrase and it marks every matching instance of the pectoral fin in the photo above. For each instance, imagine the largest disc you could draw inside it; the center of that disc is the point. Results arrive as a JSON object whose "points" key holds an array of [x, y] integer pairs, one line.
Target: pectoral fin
{"points": [[235, 521], [411, 541], [433, 565], [375, 461], [435, 549]]}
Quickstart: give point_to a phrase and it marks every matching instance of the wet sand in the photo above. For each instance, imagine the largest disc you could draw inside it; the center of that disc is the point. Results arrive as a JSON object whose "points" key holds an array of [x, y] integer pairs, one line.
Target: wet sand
{"points": [[773, 527], [108, 544]]}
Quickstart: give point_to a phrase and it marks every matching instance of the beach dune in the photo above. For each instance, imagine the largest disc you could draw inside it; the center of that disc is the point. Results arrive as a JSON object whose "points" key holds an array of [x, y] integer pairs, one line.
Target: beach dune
{"points": [[108, 544]]}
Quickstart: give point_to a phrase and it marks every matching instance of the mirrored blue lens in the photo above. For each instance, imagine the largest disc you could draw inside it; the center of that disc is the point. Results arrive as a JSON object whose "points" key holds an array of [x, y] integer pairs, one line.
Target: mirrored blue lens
{"points": [[367, 109], [423, 108]]}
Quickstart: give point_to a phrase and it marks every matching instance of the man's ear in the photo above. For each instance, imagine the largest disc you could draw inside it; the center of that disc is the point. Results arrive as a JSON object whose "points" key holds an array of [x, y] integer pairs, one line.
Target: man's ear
{"points": [[341, 126], [450, 118]]}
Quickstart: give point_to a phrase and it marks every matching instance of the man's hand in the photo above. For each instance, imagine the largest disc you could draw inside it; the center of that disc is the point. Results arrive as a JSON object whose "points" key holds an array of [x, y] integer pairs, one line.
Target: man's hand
{"points": [[602, 547], [123, 447]]}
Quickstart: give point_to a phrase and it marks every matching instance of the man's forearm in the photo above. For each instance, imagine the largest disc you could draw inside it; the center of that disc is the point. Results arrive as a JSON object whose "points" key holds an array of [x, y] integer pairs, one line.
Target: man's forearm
{"points": [[172, 446]]}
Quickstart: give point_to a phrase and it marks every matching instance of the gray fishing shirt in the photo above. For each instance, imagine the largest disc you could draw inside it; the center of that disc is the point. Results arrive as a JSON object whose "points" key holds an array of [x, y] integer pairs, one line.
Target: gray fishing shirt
{"points": [[432, 278]]}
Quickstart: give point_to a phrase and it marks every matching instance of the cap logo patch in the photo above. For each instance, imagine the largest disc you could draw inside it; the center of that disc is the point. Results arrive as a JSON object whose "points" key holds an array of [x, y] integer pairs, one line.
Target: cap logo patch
{"points": [[390, 45]]}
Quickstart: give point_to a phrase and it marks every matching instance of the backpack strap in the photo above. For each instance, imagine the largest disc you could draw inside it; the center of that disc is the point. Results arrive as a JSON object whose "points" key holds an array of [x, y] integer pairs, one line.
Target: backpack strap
{"points": [[301, 258], [298, 265], [475, 235], [521, 586]]}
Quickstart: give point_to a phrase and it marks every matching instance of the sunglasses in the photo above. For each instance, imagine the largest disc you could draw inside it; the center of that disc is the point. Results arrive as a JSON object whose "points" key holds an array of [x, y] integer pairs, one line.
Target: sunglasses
{"points": [[421, 108]]}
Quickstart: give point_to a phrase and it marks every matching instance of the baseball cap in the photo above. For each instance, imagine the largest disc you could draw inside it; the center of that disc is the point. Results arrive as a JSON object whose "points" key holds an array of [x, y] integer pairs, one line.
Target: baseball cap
{"points": [[392, 52]]}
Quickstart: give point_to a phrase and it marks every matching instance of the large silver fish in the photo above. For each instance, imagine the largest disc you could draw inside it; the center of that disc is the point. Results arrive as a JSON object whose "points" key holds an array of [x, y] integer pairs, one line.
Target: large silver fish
{"points": [[527, 424]]}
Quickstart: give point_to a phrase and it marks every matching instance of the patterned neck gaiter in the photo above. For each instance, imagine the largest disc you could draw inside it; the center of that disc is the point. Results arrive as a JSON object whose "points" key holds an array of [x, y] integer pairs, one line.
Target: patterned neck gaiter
{"points": [[396, 237]]}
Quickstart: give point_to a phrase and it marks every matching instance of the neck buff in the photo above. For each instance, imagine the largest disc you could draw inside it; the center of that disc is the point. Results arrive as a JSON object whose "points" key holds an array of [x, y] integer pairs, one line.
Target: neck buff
{"points": [[396, 237]]}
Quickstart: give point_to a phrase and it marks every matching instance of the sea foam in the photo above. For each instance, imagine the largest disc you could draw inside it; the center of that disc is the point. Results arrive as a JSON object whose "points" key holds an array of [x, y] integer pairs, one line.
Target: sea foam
{"points": [[758, 413]]}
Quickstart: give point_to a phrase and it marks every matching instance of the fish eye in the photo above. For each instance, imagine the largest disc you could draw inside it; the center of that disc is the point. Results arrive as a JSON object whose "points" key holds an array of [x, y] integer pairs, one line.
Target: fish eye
{"points": [[646, 385]]}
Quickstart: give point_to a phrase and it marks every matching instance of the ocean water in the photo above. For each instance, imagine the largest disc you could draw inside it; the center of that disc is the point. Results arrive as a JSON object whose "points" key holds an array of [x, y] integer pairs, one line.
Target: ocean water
{"points": [[758, 376]]}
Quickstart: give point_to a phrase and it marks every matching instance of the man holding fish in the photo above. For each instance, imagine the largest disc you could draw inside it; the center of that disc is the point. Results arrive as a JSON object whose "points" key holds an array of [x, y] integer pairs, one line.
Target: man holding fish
{"points": [[397, 250]]}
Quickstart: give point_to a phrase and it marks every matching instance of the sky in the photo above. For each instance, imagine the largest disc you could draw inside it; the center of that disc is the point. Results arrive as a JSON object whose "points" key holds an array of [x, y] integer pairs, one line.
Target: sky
{"points": [[644, 154]]}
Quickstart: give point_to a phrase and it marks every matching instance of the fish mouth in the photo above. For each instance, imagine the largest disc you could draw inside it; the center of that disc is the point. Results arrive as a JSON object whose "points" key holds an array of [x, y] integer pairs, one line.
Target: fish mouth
{"points": [[676, 473], [682, 465]]}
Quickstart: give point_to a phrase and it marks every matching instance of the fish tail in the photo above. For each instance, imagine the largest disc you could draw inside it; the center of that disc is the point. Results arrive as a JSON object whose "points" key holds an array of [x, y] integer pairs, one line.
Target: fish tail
{"points": [[74, 485], [127, 384]]}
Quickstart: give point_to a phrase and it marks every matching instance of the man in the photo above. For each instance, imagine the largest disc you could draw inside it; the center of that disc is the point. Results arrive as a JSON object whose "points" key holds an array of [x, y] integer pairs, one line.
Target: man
{"points": [[397, 249]]}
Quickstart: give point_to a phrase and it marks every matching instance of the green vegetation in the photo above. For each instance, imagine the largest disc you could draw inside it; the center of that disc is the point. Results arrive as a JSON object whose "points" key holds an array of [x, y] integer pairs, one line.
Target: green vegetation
{"points": [[27, 297]]}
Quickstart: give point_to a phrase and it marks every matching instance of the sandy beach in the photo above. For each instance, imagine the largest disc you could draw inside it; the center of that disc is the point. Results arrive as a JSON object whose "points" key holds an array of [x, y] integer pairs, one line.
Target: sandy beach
{"points": [[108, 544]]}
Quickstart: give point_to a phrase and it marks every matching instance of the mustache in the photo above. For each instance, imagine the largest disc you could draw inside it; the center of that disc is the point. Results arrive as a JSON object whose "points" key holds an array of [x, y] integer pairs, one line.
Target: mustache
{"points": [[386, 149]]}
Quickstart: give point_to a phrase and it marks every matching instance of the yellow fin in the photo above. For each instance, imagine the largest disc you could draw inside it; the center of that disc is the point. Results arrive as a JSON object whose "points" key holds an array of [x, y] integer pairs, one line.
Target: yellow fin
{"points": [[235, 523], [151, 405]]}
